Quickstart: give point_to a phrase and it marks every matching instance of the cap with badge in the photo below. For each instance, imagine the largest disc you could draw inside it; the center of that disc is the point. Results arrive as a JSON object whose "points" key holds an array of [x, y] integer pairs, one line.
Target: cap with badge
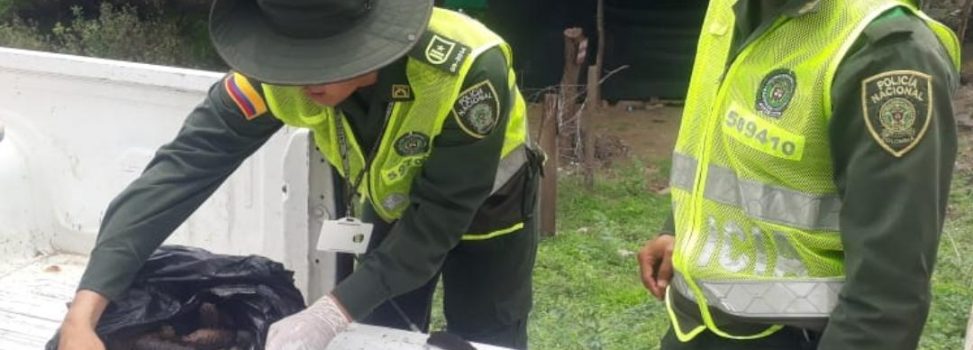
{"points": [[304, 42]]}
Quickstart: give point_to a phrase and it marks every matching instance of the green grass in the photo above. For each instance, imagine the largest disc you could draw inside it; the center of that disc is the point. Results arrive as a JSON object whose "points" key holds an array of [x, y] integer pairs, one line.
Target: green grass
{"points": [[588, 294], [953, 279], [587, 289]]}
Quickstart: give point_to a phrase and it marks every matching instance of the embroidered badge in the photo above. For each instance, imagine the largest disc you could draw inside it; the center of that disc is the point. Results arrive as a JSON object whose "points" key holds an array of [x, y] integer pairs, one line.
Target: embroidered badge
{"points": [[477, 109], [441, 52], [246, 98], [898, 109], [411, 144], [776, 92], [401, 92], [439, 49]]}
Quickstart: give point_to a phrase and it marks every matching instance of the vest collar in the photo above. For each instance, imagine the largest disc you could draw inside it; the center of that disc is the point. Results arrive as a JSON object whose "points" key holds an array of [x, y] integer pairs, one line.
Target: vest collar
{"points": [[393, 84]]}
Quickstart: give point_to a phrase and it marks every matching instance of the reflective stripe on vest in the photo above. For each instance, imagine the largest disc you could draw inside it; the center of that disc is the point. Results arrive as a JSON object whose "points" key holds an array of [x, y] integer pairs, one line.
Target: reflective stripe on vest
{"points": [[792, 298], [760, 201], [509, 165]]}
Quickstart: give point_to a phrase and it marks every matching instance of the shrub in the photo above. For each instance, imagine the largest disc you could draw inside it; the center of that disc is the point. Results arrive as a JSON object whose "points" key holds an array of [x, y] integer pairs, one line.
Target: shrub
{"points": [[22, 35], [144, 33]]}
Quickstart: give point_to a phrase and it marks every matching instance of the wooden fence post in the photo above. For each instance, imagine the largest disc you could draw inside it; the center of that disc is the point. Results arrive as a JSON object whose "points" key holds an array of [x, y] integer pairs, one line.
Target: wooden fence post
{"points": [[592, 105], [548, 141], [575, 54]]}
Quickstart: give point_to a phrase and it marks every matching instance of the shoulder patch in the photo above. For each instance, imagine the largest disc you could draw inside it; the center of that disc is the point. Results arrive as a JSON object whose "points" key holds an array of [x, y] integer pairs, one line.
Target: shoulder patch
{"points": [[477, 109], [897, 109], [245, 96], [440, 52]]}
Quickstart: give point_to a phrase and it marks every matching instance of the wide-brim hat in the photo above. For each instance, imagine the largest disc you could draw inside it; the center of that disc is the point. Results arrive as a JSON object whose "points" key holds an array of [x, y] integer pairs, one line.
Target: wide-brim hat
{"points": [[305, 42]]}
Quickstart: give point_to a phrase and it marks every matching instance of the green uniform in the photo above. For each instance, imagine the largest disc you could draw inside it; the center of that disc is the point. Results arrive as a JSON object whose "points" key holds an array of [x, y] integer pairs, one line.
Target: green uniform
{"points": [[487, 282], [893, 199]]}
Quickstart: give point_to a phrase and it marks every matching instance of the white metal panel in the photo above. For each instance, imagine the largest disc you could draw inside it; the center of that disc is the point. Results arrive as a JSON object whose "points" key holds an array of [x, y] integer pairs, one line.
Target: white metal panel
{"points": [[321, 204], [78, 130], [23, 231]]}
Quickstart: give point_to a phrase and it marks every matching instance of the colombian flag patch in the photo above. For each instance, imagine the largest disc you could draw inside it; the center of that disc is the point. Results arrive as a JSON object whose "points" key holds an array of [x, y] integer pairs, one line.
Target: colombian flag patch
{"points": [[245, 96]]}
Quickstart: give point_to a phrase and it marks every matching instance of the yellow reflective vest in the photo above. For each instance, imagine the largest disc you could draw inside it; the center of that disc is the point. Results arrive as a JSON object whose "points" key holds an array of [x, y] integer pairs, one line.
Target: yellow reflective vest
{"points": [[755, 205], [415, 124]]}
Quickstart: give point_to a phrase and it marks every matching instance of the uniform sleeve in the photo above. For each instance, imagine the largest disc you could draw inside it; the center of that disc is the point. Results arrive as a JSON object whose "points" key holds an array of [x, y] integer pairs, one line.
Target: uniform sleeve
{"points": [[215, 138], [455, 181], [893, 171], [669, 226]]}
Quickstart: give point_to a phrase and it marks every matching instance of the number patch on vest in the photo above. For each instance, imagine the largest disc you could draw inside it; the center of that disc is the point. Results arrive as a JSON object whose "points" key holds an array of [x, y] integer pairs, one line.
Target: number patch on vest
{"points": [[763, 136]]}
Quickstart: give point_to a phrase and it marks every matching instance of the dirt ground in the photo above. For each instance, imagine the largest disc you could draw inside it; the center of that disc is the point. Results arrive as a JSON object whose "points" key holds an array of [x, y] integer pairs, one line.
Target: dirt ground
{"points": [[628, 129], [648, 131]]}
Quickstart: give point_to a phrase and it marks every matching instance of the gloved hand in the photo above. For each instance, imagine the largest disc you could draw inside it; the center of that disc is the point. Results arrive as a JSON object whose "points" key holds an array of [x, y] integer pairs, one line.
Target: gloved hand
{"points": [[311, 329]]}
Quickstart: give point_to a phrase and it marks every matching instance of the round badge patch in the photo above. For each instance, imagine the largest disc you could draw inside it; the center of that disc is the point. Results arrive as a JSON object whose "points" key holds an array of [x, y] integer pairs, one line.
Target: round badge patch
{"points": [[776, 92], [897, 116], [482, 118], [411, 144]]}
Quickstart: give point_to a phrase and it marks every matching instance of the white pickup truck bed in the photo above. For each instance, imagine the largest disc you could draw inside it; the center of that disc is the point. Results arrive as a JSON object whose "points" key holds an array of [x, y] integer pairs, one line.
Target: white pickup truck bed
{"points": [[33, 294]]}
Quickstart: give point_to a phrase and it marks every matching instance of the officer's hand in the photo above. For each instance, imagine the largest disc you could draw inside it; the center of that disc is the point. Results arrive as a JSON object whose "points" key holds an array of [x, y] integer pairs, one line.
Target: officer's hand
{"points": [[78, 328], [311, 329], [655, 261], [78, 337]]}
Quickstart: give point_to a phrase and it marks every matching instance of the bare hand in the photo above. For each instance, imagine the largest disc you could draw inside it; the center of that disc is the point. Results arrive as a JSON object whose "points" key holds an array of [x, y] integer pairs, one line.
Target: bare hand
{"points": [[79, 337], [655, 261], [78, 327]]}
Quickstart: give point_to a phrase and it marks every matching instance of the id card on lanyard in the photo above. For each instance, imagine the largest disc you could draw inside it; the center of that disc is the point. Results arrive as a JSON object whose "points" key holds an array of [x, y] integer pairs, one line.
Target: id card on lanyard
{"points": [[349, 234]]}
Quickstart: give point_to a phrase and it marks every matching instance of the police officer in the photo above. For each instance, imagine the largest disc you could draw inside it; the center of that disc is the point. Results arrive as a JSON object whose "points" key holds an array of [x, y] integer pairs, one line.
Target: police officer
{"points": [[417, 109], [810, 178]]}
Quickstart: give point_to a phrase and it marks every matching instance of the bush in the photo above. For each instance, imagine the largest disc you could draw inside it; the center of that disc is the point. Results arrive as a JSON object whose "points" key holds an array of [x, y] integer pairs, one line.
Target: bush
{"points": [[125, 32], [22, 35]]}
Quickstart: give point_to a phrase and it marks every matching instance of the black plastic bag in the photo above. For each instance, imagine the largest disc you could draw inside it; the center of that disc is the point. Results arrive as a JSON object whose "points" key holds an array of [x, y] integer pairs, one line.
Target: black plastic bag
{"points": [[252, 291]]}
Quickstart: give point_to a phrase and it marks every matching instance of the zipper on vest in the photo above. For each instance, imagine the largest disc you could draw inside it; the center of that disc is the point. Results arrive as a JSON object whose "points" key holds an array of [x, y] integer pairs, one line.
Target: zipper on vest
{"points": [[736, 54], [712, 122]]}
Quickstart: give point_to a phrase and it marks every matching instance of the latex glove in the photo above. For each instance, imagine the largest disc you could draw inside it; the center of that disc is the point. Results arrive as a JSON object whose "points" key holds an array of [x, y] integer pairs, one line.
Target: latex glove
{"points": [[311, 329]]}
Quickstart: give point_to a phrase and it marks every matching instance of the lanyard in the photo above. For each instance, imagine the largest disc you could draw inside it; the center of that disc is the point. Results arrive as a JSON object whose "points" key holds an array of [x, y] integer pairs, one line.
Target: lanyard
{"points": [[351, 188]]}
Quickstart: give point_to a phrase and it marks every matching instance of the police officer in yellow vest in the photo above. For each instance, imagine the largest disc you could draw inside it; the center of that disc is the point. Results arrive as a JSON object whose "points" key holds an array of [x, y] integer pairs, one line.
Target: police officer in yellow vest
{"points": [[810, 177], [417, 109]]}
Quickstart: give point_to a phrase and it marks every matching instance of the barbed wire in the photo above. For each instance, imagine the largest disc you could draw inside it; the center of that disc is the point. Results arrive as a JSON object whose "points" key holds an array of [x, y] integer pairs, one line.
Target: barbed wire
{"points": [[570, 125]]}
